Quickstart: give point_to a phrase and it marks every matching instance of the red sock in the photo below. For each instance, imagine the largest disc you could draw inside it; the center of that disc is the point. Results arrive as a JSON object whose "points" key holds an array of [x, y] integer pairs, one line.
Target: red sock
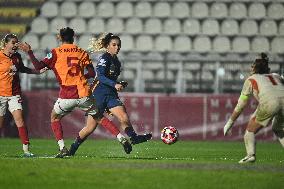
{"points": [[23, 134], [57, 130], [110, 126]]}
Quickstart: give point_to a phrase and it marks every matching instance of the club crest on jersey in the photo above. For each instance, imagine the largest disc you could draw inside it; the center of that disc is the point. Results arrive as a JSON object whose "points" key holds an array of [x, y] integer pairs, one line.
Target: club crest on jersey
{"points": [[102, 62], [49, 55], [13, 70]]}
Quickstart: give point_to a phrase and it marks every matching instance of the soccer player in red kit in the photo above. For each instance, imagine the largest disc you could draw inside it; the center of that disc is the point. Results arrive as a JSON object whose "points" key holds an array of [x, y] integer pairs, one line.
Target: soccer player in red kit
{"points": [[10, 91]]}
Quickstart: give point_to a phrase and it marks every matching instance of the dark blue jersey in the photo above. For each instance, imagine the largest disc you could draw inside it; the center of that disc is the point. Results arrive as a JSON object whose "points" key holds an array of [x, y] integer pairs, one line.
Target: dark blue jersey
{"points": [[108, 69], [105, 93]]}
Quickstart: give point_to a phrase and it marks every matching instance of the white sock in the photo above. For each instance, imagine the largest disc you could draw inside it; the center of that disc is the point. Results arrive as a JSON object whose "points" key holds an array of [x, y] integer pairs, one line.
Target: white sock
{"points": [[61, 144], [249, 139], [26, 148], [281, 140], [120, 137]]}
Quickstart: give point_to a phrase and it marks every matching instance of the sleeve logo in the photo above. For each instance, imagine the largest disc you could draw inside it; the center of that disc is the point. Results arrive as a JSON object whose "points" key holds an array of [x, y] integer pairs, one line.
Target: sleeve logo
{"points": [[49, 55], [13, 70], [102, 62]]}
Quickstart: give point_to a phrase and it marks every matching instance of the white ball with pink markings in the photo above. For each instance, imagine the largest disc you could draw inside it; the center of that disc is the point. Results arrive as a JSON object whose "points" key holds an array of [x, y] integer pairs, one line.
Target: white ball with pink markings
{"points": [[169, 135]]}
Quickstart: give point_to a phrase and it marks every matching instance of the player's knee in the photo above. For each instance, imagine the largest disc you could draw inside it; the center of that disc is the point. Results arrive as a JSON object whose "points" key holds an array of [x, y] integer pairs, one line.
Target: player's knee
{"points": [[19, 122], [250, 129], [253, 127], [54, 117]]}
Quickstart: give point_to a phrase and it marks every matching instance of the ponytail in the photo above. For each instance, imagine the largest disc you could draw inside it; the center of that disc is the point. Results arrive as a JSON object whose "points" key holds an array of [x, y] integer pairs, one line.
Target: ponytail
{"points": [[96, 44], [101, 43]]}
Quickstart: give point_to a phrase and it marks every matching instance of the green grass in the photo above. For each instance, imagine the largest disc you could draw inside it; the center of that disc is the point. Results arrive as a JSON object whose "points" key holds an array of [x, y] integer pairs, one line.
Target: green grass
{"points": [[103, 164]]}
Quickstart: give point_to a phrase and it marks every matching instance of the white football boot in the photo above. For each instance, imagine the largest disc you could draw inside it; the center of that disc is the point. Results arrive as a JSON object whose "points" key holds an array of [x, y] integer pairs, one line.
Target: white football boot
{"points": [[248, 159], [28, 154]]}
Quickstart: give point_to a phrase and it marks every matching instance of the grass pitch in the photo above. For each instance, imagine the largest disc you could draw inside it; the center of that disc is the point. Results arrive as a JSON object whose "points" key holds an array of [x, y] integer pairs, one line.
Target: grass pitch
{"points": [[103, 164]]}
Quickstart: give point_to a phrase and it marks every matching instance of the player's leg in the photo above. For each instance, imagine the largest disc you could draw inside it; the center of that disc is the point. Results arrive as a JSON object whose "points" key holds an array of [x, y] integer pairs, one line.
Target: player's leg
{"points": [[1, 123], [278, 127], [249, 138], [56, 126], [3, 109], [23, 132], [83, 134], [86, 104], [120, 112], [101, 104], [92, 120], [112, 128], [260, 118], [61, 108], [16, 109], [89, 129]]}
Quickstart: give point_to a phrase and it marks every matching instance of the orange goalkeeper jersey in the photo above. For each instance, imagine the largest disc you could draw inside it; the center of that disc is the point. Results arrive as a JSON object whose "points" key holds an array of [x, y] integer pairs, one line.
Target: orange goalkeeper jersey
{"points": [[68, 62]]}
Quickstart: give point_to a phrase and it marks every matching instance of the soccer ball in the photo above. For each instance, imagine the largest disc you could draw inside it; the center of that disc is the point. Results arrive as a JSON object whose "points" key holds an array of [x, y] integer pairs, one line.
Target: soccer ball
{"points": [[169, 135]]}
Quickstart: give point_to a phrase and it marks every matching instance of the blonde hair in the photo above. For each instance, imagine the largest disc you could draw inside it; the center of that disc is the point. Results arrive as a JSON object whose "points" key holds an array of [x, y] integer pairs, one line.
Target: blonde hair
{"points": [[2, 44], [6, 39], [97, 44]]}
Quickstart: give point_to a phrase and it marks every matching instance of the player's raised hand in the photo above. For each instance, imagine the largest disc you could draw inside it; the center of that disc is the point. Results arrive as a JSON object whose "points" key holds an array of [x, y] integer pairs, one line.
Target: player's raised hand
{"points": [[228, 126], [24, 47], [123, 83], [118, 86]]}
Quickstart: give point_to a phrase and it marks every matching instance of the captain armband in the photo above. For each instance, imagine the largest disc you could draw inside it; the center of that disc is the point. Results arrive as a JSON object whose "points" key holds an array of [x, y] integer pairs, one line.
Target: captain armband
{"points": [[241, 103]]}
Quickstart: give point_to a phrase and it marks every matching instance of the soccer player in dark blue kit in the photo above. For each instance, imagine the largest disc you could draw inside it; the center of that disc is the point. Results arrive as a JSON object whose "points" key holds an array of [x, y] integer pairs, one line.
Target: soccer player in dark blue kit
{"points": [[106, 91]]}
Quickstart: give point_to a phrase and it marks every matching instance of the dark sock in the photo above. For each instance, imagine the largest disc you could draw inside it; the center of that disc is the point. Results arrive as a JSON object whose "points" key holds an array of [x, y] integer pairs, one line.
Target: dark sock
{"points": [[130, 132], [78, 141]]}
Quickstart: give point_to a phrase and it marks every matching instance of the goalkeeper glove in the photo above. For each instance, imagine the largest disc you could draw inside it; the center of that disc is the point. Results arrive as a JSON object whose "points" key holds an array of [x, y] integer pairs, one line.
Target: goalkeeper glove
{"points": [[228, 126], [123, 83]]}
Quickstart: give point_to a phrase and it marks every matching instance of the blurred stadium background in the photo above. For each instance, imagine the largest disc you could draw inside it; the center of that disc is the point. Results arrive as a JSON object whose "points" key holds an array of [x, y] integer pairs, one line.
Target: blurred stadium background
{"points": [[185, 60]]}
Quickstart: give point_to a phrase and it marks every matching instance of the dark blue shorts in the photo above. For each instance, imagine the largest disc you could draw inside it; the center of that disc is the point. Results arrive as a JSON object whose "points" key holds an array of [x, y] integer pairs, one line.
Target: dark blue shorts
{"points": [[106, 101]]}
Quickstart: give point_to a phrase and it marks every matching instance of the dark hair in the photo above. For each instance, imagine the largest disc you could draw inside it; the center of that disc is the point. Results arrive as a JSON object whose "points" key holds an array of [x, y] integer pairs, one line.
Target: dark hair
{"points": [[261, 64], [106, 40], [264, 57], [67, 34], [7, 38]]}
